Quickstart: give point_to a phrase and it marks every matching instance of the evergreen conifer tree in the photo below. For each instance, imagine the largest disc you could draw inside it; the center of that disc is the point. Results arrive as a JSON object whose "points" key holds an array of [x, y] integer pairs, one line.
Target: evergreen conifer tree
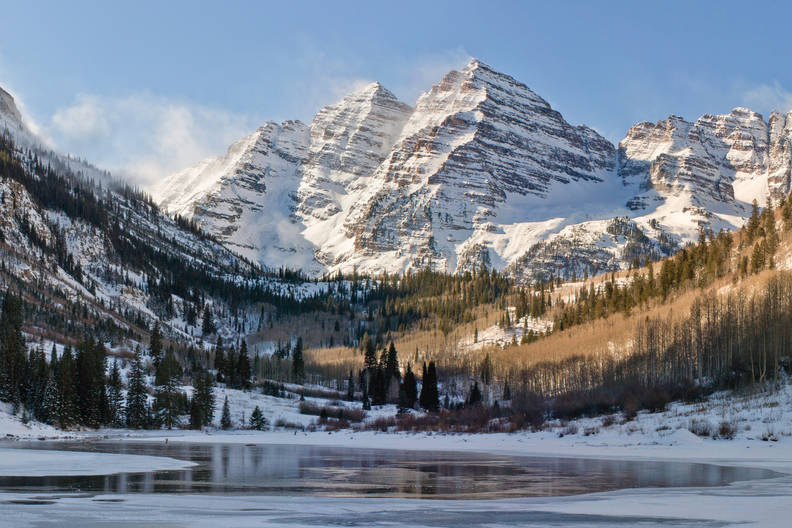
{"points": [[257, 420], [167, 400], [410, 388], [298, 364], [379, 388], [475, 394], [49, 402], [370, 362], [225, 419], [429, 395], [137, 397], [196, 416], [155, 345], [115, 396], [243, 367], [91, 391], [67, 413], [230, 371], [752, 227], [203, 401], [392, 363], [208, 326], [12, 350]]}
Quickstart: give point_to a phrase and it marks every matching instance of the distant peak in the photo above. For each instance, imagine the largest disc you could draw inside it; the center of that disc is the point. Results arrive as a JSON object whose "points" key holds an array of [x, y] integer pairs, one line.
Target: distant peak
{"points": [[373, 91]]}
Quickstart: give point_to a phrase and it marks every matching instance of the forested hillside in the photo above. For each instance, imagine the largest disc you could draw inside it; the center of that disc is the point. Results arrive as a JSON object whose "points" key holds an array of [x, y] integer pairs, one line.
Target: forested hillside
{"points": [[117, 314]]}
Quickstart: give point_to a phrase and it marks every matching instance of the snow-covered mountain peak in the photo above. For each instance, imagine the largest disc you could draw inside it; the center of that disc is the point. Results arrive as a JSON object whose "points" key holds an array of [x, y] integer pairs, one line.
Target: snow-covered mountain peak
{"points": [[372, 90], [484, 172]]}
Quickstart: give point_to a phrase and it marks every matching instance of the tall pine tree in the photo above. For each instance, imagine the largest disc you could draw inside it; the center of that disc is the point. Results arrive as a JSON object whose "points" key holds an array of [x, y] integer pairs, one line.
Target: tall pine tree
{"points": [[225, 419], [115, 397], [12, 350], [137, 413], [67, 413], [167, 402], [243, 367], [298, 364]]}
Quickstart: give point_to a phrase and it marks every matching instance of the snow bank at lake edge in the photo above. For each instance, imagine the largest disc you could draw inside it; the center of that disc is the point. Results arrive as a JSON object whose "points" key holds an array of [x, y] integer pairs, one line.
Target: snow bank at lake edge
{"points": [[22, 462]]}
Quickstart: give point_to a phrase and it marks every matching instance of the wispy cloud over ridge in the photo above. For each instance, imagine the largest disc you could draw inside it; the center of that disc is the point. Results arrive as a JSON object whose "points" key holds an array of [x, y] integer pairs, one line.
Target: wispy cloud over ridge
{"points": [[143, 137]]}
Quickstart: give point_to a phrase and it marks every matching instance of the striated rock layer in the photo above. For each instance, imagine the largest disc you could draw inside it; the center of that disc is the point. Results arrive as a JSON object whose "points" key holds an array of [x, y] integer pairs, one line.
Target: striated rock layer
{"points": [[481, 172]]}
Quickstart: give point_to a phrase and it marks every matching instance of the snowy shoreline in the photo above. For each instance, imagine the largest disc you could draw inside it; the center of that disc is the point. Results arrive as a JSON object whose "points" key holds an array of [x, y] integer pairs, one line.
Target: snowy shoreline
{"points": [[760, 437], [22, 462], [679, 447], [765, 502]]}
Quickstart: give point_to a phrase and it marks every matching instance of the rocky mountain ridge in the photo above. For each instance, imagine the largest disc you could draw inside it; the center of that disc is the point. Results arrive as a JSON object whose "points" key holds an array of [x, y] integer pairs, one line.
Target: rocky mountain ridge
{"points": [[480, 172], [101, 257]]}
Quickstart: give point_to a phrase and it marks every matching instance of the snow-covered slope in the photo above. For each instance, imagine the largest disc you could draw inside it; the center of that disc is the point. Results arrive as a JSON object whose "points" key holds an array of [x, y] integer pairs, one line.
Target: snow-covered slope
{"points": [[482, 162], [349, 140], [481, 169], [106, 260], [247, 198], [481, 172]]}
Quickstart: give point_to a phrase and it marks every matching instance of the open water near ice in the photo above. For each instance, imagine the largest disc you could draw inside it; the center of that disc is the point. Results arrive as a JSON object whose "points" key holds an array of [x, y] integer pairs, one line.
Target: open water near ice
{"points": [[344, 472]]}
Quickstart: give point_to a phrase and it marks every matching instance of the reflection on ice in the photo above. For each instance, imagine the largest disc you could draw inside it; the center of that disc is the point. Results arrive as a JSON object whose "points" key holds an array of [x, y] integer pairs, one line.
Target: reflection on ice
{"points": [[323, 471]]}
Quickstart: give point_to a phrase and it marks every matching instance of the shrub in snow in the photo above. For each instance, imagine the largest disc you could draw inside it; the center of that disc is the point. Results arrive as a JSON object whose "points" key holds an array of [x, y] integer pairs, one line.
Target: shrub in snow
{"points": [[588, 431], [570, 429], [726, 430], [700, 428]]}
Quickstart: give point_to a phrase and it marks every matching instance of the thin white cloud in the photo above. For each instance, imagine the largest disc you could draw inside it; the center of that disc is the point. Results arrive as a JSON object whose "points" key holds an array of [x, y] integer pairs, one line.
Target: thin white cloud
{"points": [[143, 137], [329, 77], [428, 70], [766, 97], [334, 75]]}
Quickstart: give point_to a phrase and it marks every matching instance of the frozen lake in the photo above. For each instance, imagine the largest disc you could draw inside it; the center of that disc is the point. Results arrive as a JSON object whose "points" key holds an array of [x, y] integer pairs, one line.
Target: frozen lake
{"points": [[298, 470]]}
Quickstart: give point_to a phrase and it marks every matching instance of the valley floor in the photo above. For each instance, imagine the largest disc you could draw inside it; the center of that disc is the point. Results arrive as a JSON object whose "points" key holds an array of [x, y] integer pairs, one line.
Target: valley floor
{"points": [[761, 424]]}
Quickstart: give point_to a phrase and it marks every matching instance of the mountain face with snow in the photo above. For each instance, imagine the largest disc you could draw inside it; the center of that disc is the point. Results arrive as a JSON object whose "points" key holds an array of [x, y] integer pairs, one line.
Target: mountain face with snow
{"points": [[106, 261], [248, 197], [723, 159], [481, 172], [479, 153]]}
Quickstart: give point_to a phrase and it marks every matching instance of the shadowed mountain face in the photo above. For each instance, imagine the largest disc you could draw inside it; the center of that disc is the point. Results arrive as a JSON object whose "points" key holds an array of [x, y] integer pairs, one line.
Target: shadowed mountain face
{"points": [[480, 172]]}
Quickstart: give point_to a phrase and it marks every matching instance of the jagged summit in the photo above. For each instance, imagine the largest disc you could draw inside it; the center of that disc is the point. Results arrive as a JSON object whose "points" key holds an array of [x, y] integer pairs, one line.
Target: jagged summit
{"points": [[372, 90], [482, 171]]}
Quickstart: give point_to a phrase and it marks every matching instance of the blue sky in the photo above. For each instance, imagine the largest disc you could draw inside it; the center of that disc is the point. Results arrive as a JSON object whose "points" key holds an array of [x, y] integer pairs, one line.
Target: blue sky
{"points": [[148, 87]]}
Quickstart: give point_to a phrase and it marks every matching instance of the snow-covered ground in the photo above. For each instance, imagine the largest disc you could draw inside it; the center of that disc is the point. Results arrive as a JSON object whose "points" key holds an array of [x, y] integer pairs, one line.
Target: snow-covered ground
{"points": [[36, 463], [748, 504], [497, 335], [12, 426], [761, 425]]}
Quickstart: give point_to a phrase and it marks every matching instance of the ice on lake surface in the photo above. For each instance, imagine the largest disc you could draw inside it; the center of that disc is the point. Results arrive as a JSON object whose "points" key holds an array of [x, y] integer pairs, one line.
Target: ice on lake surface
{"points": [[344, 472]]}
